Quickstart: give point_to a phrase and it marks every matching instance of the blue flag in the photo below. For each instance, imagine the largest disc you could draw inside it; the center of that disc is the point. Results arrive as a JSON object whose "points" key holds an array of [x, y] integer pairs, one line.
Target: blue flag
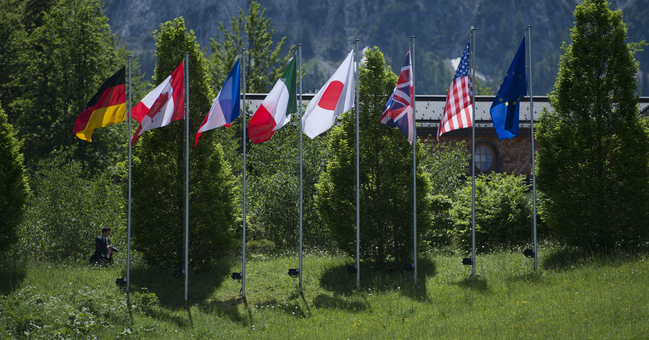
{"points": [[504, 110], [225, 108]]}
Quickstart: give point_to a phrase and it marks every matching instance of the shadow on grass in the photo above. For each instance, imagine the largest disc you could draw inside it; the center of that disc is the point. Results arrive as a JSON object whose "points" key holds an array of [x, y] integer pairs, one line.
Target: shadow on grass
{"points": [[474, 283], [229, 309], [570, 258], [170, 290], [535, 278], [12, 275], [352, 304], [338, 281]]}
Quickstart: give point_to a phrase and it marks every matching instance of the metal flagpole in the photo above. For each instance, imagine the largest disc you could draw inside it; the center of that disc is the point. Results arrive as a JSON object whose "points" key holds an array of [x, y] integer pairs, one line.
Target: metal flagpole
{"points": [[128, 218], [473, 156], [186, 173], [358, 182], [529, 44], [243, 116], [414, 159], [299, 74]]}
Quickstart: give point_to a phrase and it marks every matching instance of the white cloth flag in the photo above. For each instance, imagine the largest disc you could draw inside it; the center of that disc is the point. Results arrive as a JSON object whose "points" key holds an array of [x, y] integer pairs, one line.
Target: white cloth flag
{"points": [[334, 98], [161, 106]]}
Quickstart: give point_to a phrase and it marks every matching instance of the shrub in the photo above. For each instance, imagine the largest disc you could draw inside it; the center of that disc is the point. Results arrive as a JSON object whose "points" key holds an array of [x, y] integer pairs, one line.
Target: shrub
{"points": [[67, 211], [503, 213]]}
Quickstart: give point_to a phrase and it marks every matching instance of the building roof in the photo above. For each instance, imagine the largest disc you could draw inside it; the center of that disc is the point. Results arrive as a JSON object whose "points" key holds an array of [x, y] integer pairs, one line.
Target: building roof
{"points": [[429, 108]]}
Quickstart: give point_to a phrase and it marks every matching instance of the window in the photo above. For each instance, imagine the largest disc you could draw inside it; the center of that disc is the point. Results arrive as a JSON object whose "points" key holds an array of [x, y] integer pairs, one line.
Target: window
{"points": [[485, 157]]}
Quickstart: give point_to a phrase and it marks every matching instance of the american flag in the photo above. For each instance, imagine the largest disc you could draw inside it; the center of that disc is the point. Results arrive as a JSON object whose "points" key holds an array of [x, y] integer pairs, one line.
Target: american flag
{"points": [[398, 110], [457, 112]]}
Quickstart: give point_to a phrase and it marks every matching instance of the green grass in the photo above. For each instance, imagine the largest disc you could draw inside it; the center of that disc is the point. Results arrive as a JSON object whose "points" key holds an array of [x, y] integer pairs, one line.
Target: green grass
{"points": [[576, 295]]}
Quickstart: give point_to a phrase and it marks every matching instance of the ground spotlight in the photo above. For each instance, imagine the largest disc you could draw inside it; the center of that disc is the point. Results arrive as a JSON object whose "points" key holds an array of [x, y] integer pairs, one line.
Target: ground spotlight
{"points": [[293, 273], [237, 276], [178, 273], [408, 267], [352, 269], [120, 282], [528, 253], [467, 261]]}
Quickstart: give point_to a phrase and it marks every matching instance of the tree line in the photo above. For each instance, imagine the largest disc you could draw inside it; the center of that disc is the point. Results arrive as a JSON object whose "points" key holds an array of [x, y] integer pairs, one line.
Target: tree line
{"points": [[61, 191]]}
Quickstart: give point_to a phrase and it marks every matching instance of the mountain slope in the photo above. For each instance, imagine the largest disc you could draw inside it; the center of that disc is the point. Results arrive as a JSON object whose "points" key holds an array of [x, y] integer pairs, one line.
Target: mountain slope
{"points": [[328, 28]]}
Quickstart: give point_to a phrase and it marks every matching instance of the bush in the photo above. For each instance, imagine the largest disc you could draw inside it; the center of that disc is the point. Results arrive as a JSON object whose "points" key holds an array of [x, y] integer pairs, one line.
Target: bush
{"points": [[274, 190], [260, 246], [441, 232], [67, 211], [503, 212]]}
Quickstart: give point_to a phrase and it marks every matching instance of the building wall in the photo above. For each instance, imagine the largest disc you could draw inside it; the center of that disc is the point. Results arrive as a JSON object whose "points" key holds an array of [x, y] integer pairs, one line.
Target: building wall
{"points": [[514, 154]]}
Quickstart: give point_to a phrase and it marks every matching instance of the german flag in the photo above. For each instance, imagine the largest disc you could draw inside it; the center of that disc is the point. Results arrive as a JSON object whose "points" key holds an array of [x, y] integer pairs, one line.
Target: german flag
{"points": [[107, 107]]}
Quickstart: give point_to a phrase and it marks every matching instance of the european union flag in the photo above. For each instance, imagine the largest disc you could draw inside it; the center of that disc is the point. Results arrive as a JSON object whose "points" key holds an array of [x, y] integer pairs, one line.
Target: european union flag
{"points": [[504, 110]]}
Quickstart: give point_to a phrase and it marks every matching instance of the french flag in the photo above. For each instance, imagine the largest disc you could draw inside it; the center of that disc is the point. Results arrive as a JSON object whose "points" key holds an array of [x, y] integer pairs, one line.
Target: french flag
{"points": [[225, 108]]}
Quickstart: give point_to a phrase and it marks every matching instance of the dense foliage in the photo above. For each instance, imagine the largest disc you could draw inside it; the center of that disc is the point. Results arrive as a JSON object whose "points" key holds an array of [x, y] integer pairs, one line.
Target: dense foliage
{"points": [[13, 184], [67, 209], [386, 182], [502, 212], [159, 172], [274, 188], [593, 161], [62, 63]]}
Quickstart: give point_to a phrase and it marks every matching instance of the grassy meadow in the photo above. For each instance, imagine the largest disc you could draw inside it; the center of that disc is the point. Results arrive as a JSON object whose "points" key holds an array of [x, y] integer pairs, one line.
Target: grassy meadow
{"points": [[575, 295]]}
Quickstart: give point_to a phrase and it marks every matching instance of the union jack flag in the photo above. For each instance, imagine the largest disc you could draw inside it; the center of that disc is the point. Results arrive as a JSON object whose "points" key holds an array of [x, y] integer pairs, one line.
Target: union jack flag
{"points": [[398, 110], [457, 112]]}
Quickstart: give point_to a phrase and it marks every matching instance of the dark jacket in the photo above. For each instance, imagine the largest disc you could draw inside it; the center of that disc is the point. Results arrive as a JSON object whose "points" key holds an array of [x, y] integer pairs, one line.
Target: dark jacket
{"points": [[101, 249]]}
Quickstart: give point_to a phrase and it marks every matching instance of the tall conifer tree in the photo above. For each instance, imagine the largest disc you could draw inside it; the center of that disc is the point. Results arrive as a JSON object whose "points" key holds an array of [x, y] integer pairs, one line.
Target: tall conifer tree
{"points": [[13, 184], [593, 161], [385, 174], [159, 171]]}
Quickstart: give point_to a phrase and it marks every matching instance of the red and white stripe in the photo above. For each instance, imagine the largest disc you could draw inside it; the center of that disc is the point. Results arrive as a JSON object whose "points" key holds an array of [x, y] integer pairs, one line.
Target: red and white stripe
{"points": [[458, 109]]}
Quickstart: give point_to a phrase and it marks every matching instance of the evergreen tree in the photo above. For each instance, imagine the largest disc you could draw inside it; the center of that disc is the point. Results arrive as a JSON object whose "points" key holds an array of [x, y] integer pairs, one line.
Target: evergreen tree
{"points": [[386, 177], [12, 36], [593, 160], [252, 31], [13, 184], [159, 171]]}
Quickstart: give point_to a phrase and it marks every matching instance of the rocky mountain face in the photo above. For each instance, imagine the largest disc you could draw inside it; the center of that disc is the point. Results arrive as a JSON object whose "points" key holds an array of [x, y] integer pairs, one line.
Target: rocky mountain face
{"points": [[328, 28]]}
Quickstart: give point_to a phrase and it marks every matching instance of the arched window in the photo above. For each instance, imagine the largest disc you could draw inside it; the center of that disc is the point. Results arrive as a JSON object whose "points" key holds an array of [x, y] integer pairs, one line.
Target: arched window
{"points": [[486, 157]]}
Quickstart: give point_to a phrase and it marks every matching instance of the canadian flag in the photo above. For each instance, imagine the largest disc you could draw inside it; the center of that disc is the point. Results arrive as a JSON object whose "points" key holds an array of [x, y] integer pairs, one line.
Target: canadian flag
{"points": [[161, 106], [334, 98]]}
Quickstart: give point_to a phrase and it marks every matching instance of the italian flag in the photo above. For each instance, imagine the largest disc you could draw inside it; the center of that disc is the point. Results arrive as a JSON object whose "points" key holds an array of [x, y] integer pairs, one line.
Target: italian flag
{"points": [[272, 114]]}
